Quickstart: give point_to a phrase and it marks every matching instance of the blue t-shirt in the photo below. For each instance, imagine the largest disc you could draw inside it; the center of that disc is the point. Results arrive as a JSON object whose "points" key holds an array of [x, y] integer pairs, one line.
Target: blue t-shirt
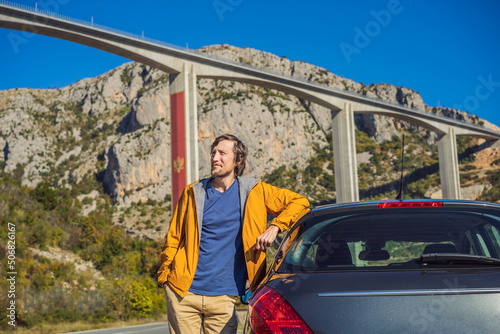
{"points": [[221, 266]]}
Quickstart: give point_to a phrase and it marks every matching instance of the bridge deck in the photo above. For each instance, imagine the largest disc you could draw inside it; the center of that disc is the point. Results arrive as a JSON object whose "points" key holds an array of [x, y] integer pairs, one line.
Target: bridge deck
{"points": [[56, 21]]}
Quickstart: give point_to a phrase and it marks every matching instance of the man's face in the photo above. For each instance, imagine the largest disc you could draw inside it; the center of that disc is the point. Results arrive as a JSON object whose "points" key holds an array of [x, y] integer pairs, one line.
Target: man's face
{"points": [[222, 159]]}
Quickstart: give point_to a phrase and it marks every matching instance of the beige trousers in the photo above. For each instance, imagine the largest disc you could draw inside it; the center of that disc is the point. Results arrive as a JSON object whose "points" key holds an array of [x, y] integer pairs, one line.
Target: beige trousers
{"points": [[216, 314]]}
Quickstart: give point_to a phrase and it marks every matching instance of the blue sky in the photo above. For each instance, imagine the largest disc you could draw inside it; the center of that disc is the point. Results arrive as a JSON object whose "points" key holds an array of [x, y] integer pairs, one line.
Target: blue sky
{"points": [[446, 50]]}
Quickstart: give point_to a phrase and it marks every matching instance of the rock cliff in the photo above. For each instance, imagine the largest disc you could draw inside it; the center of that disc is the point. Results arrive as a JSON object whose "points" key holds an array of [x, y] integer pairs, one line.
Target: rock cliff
{"points": [[116, 127]]}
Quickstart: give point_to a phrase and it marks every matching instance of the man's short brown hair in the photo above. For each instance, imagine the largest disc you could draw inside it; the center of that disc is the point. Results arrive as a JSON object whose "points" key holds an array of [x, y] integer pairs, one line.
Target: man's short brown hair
{"points": [[239, 149]]}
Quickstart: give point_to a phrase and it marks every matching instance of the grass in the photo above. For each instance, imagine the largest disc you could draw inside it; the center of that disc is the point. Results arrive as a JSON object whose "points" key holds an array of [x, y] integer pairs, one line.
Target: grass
{"points": [[79, 326]]}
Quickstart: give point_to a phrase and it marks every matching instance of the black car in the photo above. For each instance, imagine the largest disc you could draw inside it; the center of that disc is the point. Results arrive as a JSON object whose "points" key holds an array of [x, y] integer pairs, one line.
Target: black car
{"points": [[385, 267]]}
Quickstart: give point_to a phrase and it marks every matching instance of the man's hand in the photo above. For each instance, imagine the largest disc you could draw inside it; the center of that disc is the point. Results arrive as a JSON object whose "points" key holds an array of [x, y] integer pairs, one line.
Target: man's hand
{"points": [[266, 239]]}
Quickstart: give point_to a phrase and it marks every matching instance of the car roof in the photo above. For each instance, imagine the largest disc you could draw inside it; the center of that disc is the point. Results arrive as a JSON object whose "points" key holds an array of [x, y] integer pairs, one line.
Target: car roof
{"points": [[330, 208]]}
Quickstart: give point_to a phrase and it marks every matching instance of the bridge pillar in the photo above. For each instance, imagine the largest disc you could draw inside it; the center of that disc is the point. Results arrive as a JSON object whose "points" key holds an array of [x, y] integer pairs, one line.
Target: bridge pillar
{"points": [[448, 165], [344, 155], [183, 130]]}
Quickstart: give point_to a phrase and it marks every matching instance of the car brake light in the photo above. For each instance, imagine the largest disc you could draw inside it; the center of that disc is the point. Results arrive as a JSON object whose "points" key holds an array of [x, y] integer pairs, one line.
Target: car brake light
{"points": [[269, 312], [410, 204]]}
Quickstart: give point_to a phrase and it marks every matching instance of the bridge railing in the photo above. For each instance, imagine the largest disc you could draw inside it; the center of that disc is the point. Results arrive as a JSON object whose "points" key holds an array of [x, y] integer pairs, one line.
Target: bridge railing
{"points": [[38, 11], [93, 25]]}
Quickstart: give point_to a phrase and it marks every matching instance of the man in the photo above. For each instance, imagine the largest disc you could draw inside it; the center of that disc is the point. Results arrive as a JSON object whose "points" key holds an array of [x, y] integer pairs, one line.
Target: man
{"points": [[217, 239]]}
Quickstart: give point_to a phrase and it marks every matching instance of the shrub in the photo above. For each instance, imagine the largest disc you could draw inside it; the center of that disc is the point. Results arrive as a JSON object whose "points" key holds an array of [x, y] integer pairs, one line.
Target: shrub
{"points": [[46, 196]]}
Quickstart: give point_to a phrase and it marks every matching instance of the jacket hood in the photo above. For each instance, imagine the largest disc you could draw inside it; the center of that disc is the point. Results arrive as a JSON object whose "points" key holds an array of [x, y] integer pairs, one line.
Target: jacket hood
{"points": [[246, 184]]}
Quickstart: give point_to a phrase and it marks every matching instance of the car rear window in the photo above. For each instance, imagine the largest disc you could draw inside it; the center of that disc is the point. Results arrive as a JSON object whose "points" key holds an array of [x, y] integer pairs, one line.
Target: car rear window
{"points": [[384, 239]]}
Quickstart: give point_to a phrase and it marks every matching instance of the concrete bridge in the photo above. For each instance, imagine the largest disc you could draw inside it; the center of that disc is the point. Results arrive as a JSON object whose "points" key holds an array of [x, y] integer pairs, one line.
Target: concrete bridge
{"points": [[184, 66]]}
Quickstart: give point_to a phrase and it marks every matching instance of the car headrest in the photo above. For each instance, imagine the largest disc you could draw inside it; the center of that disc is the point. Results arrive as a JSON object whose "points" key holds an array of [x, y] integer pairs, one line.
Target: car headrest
{"points": [[333, 253]]}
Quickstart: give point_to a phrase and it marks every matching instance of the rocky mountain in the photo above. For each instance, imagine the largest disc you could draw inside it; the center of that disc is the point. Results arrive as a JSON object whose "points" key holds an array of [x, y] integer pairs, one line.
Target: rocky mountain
{"points": [[114, 130]]}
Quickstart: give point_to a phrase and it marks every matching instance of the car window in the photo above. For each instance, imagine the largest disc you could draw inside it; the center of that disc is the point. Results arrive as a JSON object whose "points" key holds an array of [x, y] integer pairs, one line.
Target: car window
{"points": [[484, 247], [494, 235], [388, 239]]}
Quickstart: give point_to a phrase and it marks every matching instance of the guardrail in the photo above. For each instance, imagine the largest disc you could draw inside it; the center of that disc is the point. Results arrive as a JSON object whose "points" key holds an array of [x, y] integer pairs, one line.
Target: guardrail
{"points": [[37, 11]]}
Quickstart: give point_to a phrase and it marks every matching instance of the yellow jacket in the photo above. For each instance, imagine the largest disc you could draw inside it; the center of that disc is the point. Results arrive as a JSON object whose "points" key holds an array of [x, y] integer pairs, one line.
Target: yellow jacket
{"points": [[179, 256]]}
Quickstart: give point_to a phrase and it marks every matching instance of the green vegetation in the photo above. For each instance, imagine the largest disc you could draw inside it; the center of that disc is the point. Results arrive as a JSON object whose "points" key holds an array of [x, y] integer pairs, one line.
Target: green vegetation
{"points": [[316, 181], [126, 76], [121, 283], [52, 291], [492, 194], [122, 286]]}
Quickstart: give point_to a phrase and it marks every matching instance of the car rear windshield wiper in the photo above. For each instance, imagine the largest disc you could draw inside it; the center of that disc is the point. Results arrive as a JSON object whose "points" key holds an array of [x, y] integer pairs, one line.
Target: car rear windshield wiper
{"points": [[457, 258]]}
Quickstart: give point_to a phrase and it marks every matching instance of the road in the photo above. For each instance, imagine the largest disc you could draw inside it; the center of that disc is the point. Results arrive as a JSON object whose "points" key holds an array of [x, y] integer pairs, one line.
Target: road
{"points": [[155, 328]]}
